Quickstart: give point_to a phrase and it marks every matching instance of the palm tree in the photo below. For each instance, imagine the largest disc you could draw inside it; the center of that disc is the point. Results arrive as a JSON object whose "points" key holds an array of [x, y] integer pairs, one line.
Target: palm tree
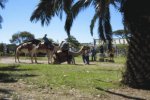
{"points": [[2, 2], [137, 21]]}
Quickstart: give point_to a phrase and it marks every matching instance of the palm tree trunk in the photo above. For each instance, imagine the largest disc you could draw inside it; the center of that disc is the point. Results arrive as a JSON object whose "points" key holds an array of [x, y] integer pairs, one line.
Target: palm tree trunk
{"points": [[137, 73]]}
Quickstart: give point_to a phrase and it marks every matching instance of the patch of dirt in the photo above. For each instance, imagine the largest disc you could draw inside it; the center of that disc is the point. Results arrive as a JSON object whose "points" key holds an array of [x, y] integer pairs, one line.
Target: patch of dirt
{"points": [[127, 94], [23, 91], [11, 60]]}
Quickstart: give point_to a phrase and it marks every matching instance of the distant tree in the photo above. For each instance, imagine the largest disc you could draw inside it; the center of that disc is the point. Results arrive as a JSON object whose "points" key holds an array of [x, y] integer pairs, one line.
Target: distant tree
{"points": [[11, 48], [1, 47], [122, 34], [21, 37], [73, 41], [2, 5]]}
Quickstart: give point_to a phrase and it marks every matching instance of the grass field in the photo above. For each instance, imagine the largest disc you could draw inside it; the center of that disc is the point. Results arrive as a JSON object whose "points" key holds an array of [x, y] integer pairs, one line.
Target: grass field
{"points": [[64, 77]]}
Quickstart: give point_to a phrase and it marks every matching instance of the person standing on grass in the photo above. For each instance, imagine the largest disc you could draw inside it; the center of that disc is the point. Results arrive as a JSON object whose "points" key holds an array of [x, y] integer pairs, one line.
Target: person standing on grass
{"points": [[101, 49], [102, 55], [93, 51], [85, 56]]}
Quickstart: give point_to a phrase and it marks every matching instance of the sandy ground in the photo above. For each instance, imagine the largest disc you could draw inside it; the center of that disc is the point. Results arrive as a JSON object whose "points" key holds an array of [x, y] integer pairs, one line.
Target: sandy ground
{"points": [[11, 60], [22, 91]]}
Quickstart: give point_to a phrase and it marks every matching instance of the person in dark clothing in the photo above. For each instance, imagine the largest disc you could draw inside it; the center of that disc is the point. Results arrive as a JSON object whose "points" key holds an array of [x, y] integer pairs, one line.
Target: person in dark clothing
{"points": [[47, 42], [93, 51], [85, 56], [101, 53], [101, 49]]}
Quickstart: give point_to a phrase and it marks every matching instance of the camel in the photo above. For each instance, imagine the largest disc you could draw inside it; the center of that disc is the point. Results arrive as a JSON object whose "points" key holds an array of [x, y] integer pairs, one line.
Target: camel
{"points": [[63, 56], [26, 47], [42, 48]]}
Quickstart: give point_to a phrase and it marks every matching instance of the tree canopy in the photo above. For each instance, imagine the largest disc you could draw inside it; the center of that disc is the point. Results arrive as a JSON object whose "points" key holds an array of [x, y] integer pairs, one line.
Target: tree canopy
{"points": [[21, 37], [122, 34], [73, 41]]}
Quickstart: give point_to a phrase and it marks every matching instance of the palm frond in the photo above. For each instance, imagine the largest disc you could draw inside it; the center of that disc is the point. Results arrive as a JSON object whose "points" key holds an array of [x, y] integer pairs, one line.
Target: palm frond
{"points": [[80, 5], [43, 12], [72, 13], [116, 3], [67, 5], [47, 9], [93, 23], [68, 23], [1, 20], [2, 3]]}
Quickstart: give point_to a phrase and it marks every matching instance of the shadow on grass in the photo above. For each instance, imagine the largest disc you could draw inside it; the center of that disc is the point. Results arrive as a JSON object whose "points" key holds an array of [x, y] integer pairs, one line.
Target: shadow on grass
{"points": [[7, 78], [8, 75], [5, 92], [13, 68], [103, 81], [111, 70], [76, 64], [82, 64], [11, 78], [120, 94]]}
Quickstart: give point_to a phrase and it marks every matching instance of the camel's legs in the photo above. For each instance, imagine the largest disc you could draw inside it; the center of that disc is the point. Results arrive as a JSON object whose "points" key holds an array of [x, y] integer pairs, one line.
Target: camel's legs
{"points": [[48, 56], [18, 57], [31, 57], [35, 57], [15, 57], [51, 56], [73, 60]]}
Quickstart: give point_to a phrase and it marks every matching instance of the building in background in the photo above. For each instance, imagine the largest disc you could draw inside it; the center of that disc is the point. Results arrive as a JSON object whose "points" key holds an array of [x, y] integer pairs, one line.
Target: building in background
{"points": [[115, 41]]}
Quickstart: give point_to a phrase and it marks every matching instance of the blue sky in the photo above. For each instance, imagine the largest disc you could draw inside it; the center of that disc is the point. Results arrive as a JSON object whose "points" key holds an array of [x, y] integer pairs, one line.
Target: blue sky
{"points": [[16, 18]]}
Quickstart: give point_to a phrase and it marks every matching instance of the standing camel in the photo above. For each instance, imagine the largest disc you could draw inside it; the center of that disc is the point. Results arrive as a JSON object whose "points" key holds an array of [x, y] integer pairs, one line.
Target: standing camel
{"points": [[42, 48], [27, 47]]}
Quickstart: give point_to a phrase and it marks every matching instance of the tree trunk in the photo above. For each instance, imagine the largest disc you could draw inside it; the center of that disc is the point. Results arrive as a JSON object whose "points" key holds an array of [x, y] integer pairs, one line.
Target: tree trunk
{"points": [[137, 19]]}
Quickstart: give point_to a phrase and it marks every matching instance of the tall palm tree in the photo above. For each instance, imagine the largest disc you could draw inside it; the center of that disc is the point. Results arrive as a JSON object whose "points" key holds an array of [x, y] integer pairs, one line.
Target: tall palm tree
{"points": [[137, 20], [2, 5]]}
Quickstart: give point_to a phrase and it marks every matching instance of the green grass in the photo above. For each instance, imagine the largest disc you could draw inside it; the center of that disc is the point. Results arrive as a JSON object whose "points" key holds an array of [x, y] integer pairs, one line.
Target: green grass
{"points": [[120, 60], [85, 78]]}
